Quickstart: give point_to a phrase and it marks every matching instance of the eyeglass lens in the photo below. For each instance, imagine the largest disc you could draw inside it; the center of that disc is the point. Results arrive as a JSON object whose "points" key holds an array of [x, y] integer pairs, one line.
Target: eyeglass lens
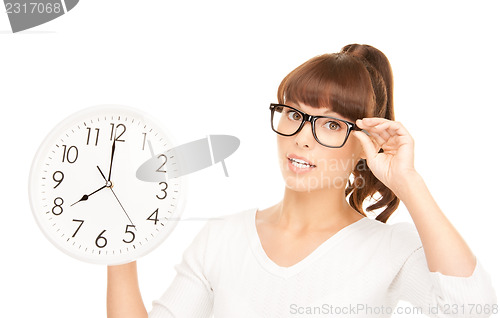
{"points": [[329, 132]]}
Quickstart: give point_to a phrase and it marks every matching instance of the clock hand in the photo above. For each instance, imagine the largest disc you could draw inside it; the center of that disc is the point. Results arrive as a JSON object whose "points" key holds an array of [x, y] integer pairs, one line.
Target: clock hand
{"points": [[86, 196], [122, 206], [107, 183], [112, 155], [102, 174]]}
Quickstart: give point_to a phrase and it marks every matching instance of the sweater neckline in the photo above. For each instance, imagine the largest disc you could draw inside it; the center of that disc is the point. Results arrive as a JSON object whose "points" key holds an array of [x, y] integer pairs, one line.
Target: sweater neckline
{"points": [[285, 272]]}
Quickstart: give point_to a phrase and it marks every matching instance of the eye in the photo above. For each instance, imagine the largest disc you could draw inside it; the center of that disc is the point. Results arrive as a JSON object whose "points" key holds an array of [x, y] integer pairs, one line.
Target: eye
{"points": [[332, 125], [293, 115]]}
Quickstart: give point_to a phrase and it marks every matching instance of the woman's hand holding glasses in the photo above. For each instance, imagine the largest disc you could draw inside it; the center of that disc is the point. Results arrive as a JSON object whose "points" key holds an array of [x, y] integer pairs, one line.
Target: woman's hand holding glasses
{"points": [[393, 166]]}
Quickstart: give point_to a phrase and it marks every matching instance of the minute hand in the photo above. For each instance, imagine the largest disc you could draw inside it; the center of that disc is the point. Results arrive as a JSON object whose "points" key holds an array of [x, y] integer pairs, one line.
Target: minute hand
{"points": [[112, 156]]}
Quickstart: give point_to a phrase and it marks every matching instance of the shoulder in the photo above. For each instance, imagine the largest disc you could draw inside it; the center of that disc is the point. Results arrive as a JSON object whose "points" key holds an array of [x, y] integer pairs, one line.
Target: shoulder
{"points": [[230, 219], [229, 224], [400, 238], [404, 239], [404, 232], [223, 237], [219, 232]]}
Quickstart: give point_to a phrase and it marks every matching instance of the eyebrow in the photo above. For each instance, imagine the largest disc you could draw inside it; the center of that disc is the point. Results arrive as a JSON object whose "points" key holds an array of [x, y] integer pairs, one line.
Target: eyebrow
{"points": [[326, 111]]}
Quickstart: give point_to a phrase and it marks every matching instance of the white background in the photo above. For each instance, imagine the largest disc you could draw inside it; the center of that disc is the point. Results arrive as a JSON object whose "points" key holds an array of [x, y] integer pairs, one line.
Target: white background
{"points": [[211, 67]]}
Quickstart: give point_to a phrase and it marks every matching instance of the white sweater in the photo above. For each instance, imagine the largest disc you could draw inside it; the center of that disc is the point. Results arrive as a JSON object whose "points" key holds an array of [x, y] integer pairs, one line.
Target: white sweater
{"points": [[361, 271]]}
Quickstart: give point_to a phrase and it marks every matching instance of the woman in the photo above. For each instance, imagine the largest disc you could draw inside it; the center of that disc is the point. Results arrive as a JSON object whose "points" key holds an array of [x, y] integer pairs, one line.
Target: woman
{"points": [[314, 253]]}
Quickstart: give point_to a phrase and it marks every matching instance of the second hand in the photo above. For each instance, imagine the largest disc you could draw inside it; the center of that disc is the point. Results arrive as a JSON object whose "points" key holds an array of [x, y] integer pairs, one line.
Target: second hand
{"points": [[109, 184], [121, 206]]}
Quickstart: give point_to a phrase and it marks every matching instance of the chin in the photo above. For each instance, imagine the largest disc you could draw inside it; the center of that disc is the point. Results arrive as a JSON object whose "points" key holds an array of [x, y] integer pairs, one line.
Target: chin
{"points": [[297, 186]]}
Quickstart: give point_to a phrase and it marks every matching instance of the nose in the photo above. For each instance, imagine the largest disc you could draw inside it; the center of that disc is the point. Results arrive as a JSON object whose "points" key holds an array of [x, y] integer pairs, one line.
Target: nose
{"points": [[304, 138]]}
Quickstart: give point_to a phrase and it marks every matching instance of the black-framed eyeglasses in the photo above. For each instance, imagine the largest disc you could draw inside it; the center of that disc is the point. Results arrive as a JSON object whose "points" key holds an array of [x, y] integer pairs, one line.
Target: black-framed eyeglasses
{"points": [[328, 131]]}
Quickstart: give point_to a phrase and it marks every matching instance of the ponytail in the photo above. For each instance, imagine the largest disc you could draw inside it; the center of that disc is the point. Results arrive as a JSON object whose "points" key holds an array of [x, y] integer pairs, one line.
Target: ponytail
{"points": [[380, 71]]}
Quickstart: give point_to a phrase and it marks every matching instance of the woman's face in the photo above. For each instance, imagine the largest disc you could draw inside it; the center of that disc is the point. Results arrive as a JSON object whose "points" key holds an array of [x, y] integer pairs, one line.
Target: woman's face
{"points": [[327, 167]]}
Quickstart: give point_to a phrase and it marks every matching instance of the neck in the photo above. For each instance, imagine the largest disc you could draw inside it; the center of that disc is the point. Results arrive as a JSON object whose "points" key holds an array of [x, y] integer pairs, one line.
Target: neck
{"points": [[316, 210]]}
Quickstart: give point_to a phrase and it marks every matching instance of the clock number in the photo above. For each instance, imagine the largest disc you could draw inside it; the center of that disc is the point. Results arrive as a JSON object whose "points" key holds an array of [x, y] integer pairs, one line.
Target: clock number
{"points": [[79, 226], [155, 213], [58, 209], [100, 237], [164, 190], [114, 132], [67, 154], [160, 168], [127, 231], [96, 136], [58, 180]]}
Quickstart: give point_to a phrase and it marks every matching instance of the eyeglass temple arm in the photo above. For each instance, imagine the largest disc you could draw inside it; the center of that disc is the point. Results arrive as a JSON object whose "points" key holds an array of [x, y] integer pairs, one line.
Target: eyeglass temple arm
{"points": [[356, 127]]}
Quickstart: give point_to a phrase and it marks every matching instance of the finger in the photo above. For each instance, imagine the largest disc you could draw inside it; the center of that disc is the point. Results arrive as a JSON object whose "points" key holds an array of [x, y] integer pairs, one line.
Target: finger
{"points": [[394, 128], [380, 136], [385, 129], [367, 144], [378, 140], [371, 121]]}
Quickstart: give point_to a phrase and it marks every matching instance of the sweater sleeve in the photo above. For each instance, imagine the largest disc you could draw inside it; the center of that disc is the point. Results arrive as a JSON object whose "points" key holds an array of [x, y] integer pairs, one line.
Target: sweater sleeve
{"points": [[190, 294], [438, 295]]}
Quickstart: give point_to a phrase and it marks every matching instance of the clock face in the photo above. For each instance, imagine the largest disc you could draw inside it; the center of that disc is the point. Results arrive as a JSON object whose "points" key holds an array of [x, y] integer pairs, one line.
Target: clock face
{"points": [[84, 192]]}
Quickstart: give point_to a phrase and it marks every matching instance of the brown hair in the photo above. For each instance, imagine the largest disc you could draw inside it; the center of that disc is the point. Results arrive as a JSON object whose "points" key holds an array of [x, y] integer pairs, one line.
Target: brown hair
{"points": [[356, 83]]}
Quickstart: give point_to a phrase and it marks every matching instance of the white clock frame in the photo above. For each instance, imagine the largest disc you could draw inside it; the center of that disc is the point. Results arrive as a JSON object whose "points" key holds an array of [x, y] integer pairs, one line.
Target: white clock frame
{"points": [[41, 191]]}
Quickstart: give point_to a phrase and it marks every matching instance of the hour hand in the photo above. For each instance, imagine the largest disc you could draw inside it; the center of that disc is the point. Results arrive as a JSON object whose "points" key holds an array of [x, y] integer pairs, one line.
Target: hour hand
{"points": [[86, 196]]}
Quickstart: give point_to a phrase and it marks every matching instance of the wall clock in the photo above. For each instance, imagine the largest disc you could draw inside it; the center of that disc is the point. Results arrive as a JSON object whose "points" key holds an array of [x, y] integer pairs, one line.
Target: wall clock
{"points": [[84, 192]]}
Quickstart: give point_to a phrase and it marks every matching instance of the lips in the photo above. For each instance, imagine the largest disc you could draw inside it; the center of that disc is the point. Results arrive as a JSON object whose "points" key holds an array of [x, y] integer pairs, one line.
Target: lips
{"points": [[299, 164]]}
